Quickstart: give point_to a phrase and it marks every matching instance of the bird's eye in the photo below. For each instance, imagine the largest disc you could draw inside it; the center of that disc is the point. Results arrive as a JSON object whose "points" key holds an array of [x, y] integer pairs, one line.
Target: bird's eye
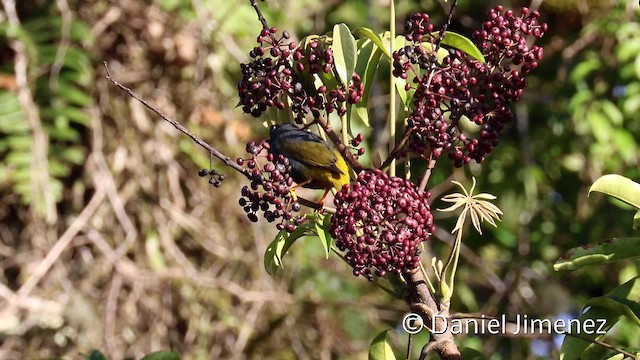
{"points": [[273, 128]]}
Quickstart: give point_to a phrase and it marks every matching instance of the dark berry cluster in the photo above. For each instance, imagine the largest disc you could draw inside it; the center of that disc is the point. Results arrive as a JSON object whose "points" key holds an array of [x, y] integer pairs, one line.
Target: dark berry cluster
{"points": [[269, 191], [215, 178], [281, 73], [462, 88], [380, 221]]}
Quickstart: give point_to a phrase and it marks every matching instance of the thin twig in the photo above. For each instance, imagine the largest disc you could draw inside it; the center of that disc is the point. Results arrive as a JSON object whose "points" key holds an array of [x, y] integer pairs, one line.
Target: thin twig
{"points": [[427, 173], [213, 151], [61, 52], [63, 242], [446, 26], [603, 344], [227, 160]]}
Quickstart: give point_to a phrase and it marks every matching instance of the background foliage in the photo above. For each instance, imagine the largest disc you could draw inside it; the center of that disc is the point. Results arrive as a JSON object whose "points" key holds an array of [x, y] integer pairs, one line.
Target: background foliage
{"points": [[144, 255]]}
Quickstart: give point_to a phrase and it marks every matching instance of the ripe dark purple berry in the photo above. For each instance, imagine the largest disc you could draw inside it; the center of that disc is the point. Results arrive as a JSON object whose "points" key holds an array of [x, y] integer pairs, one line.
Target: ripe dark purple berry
{"points": [[380, 222]]}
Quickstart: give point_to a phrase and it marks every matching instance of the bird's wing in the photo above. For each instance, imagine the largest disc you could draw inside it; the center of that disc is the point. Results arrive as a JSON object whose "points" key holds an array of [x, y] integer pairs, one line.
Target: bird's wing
{"points": [[311, 150]]}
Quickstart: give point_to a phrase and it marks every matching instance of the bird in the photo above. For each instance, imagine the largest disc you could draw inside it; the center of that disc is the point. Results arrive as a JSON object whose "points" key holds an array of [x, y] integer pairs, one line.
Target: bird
{"points": [[314, 163]]}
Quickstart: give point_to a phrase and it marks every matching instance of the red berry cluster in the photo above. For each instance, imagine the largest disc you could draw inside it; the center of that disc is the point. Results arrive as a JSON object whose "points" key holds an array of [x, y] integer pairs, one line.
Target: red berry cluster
{"points": [[282, 72], [380, 221], [269, 190], [464, 88]]}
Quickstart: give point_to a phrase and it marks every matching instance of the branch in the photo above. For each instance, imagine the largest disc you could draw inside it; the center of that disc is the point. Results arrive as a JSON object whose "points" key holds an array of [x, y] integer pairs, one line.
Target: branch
{"points": [[213, 151], [423, 302], [225, 159], [346, 154]]}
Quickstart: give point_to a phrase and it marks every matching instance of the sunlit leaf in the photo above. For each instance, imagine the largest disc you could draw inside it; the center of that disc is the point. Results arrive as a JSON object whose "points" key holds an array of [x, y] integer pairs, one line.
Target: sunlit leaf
{"points": [[462, 43], [380, 348], [344, 52], [619, 187], [603, 253]]}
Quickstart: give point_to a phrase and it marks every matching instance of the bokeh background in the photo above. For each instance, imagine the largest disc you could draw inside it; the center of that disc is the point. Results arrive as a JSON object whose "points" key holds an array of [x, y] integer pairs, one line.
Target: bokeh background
{"points": [[110, 240]]}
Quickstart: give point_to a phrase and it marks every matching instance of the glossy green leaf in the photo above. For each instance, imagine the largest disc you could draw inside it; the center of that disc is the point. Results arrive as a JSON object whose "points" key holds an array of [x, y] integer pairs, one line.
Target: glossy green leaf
{"points": [[572, 347], [368, 60], [603, 253], [380, 348], [344, 52], [162, 355], [605, 310], [619, 187], [363, 32], [462, 43]]}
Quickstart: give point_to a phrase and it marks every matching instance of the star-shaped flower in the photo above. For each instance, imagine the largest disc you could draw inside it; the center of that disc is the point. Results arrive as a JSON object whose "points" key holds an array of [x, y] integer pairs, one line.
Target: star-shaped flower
{"points": [[479, 206]]}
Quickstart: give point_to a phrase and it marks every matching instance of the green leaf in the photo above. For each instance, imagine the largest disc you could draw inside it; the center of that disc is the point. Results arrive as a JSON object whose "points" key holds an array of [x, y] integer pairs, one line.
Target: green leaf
{"points": [[163, 355], [281, 244], [367, 65], [573, 347], [636, 220], [600, 126], [603, 253], [584, 69], [623, 300], [463, 43], [619, 187], [323, 224], [73, 94], [344, 52], [380, 349], [377, 39], [613, 113]]}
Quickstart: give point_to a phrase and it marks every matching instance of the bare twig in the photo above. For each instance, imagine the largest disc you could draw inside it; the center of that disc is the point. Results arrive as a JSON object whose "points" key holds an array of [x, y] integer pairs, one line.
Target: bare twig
{"points": [[110, 315], [227, 160], [63, 242], [427, 173], [61, 52]]}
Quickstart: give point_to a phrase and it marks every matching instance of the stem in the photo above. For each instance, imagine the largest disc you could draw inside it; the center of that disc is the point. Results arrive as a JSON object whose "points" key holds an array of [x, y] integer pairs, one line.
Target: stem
{"points": [[603, 344], [337, 141], [227, 160], [345, 132], [449, 276], [392, 88], [426, 278], [427, 173], [212, 151]]}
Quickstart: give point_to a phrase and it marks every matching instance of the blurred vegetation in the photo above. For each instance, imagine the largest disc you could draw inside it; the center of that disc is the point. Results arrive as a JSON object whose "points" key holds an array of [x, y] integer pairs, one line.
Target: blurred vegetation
{"points": [[110, 240]]}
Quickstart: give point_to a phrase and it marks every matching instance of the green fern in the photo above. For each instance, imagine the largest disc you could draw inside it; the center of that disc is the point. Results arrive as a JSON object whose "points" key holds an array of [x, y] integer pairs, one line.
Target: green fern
{"points": [[63, 106]]}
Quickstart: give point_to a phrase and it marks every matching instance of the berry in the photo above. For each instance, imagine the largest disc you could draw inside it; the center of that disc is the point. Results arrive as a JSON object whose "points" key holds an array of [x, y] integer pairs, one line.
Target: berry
{"points": [[380, 222], [269, 190], [467, 88]]}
